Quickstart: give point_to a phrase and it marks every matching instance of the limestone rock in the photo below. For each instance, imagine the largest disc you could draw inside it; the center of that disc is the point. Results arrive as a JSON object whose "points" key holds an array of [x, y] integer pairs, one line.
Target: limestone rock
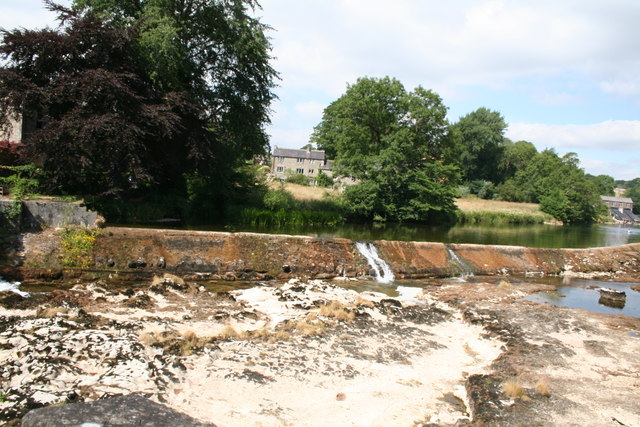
{"points": [[131, 410]]}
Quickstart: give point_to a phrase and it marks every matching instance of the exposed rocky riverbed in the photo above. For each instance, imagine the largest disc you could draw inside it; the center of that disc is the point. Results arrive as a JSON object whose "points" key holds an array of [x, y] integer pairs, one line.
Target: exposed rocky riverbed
{"points": [[314, 353]]}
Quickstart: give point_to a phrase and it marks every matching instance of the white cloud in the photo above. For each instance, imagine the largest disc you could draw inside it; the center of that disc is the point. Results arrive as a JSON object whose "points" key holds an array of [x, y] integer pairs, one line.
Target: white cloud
{"points": [[443, 45], [612, 135]]}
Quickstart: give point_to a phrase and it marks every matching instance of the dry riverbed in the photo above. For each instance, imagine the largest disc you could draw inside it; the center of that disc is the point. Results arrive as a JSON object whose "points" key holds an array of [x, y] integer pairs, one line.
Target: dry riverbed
{"points": [[314, 353]]}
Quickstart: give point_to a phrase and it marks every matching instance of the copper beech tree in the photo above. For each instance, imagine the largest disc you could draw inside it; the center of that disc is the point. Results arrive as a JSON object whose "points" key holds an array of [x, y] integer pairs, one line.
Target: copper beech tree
{"points": [[112, 119]]}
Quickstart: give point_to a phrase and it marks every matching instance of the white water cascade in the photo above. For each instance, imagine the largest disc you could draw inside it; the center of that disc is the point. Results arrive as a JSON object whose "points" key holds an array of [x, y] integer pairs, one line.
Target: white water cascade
{"points": [[459, 264], [380, 267], [14, 287]]}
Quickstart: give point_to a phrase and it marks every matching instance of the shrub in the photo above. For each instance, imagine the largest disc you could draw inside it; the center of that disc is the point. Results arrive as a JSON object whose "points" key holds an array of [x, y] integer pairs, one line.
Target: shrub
{"points": [[542, 387], [324, 180], [513, 389], [275, 200], [77, 245], [298, 178]]}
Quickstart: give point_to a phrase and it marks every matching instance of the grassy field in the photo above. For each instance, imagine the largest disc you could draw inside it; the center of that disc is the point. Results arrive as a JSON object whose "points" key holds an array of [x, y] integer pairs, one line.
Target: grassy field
{"points": [[472, 210], [303, 192], [496, 206], [476, 211]]}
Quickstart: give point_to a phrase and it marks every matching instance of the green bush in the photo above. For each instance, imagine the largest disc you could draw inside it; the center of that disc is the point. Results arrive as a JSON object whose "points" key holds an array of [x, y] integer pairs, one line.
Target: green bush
{"points": [[278, 199], [282, 218], [502, 217], [324, 180], [298, 178]]}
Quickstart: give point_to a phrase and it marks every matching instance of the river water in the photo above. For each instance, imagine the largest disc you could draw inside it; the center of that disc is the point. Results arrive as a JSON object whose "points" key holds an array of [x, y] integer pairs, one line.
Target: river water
{"points": [[537, 236]]}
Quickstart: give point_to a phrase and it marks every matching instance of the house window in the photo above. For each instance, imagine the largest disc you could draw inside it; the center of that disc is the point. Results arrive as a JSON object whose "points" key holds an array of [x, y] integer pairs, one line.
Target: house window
{"points": [[310, 171], [312, 162], [280, 169], [299, 160], [299, 170], [281, 159]]}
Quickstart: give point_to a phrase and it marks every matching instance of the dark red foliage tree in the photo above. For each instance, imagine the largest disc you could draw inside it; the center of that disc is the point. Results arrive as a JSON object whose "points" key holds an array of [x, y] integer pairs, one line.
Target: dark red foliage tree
{"points": [[101, 125]]}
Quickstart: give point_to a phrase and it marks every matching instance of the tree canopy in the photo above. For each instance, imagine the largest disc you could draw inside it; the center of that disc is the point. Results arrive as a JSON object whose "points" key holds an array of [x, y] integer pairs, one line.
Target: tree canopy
{"points": [[132, 95], [482, 145], [558, 184], [396, 144], [633, 192]]}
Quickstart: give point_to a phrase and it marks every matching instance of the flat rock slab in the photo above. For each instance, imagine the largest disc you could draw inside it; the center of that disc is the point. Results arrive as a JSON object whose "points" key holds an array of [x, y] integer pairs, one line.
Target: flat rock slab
{"points": [[131, 410]]}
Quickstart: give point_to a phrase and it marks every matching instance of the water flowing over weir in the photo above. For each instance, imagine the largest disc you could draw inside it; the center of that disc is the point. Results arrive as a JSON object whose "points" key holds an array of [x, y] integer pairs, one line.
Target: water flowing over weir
{"points": [[458, 265], [383, 272]]}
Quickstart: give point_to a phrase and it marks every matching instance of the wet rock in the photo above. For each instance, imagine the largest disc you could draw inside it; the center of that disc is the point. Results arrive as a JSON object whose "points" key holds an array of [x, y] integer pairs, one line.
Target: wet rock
{"points": [[124, 410], [484, 393], [140, 301], [138, 263], [12, 300]]}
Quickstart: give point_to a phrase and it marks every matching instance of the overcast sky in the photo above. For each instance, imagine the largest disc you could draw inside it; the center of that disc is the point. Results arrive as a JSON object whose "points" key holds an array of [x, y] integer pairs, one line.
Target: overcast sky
{"points": [[564, 74]]}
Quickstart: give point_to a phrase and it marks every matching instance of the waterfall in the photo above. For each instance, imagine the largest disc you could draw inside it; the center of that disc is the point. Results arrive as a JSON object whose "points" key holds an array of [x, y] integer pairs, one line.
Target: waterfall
{"points": [[457, 264], [382, 270], [14, 287]]}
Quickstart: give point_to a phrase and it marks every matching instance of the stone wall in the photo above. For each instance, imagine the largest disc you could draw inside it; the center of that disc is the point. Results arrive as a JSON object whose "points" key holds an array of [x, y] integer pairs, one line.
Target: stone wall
{"points": [[41, 214], [135, 254]]}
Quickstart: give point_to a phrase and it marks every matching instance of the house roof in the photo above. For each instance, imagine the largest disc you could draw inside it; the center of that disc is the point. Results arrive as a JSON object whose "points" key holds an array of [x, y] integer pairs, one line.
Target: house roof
{"points": [[299, 154], [616, 199]]}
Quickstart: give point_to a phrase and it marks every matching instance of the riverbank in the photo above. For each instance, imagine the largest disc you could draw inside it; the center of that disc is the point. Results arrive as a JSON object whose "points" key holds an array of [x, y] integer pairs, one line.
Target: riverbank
{"points": [[313, 353], [135, 254]]}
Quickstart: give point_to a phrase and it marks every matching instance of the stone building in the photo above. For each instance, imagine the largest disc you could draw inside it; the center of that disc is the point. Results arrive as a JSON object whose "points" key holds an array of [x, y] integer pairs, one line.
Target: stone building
{"points": [[288, 161], [621, 208]]}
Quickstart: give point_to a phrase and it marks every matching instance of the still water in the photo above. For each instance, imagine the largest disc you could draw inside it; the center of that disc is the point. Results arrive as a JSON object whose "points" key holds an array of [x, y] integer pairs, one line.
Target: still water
{"points": [[539, 236], [583, 294]]}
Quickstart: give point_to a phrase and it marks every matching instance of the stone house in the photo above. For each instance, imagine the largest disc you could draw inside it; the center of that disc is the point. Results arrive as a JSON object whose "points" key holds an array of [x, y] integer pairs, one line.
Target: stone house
{"points": [[288, 161], [621, 208]]}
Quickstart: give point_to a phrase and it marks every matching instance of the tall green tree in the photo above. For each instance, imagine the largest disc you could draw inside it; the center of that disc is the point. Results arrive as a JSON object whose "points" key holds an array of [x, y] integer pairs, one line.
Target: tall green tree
{"points": [[483, 145], [559, 185], [397, 145], [213, 49], [604, 183], [517, 155], [633, 192]]}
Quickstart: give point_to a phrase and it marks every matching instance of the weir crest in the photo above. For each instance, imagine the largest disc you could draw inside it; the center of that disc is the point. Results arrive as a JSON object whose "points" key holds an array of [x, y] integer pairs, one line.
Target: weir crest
{"points": [[382, 270]]}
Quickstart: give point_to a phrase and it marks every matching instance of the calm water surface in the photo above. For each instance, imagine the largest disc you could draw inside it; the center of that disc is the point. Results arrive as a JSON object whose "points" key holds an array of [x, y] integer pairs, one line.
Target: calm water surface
{"points": [[583, 294], [538, 236]]}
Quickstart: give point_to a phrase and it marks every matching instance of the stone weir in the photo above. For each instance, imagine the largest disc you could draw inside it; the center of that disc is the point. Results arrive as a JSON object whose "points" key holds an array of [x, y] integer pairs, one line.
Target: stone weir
{"points": [[136, 254]]}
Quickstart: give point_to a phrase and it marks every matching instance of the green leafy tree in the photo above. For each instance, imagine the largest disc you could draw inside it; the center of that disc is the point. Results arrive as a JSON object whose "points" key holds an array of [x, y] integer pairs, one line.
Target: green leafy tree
{"points": [[604, 183], [483, 145], [517, 155], [324, 180], [397, 145], [633, 192], [559, 185]]}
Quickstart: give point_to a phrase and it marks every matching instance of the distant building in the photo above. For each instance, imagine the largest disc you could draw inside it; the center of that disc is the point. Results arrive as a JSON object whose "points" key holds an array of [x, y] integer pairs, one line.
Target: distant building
{"points": [[288, 161], [621, 209]]}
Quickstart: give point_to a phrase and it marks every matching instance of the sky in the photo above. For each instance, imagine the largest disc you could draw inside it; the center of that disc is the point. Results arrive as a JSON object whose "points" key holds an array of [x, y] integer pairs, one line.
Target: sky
{"points": [[564, 74]]}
